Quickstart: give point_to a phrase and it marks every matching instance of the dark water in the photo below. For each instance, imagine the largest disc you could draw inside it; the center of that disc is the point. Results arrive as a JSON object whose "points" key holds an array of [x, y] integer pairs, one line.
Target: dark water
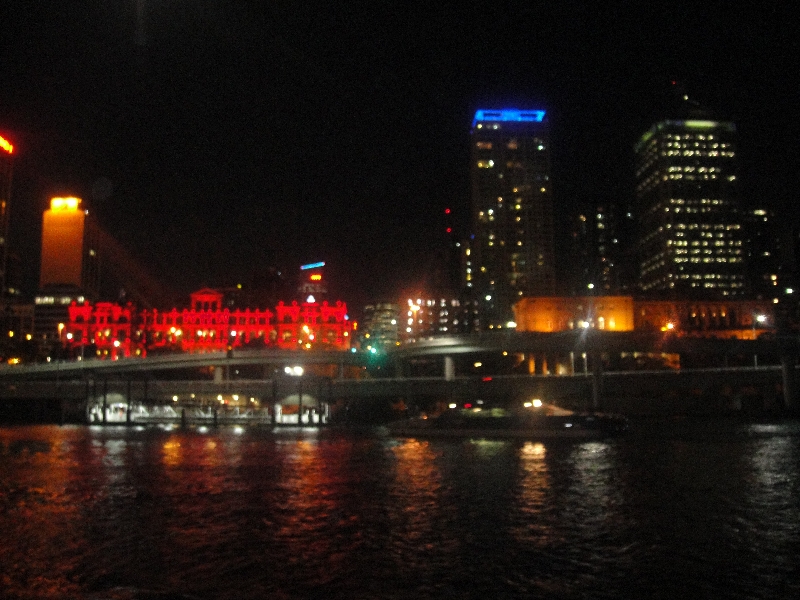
{"points": [[675, 510]]}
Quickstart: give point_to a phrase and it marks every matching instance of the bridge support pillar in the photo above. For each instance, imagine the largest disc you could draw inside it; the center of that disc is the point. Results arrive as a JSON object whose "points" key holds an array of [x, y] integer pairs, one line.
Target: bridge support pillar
{"points": [[128, 403], [597, 380], [219, 374], [300, 400], [788, 376], [105, 401], [449, 368], [274, 402]]}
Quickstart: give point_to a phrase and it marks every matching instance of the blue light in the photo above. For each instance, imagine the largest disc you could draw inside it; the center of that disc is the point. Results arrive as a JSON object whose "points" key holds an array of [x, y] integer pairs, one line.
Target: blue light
{"points": [[509, 114], [315, 265]]}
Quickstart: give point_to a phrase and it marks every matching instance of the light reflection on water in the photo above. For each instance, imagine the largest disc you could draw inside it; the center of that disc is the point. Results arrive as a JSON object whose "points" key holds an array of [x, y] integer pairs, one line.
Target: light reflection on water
{"points": [[93, 512]]}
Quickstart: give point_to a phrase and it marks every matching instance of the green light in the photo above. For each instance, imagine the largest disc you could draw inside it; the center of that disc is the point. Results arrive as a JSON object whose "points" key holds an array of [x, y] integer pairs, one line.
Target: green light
{"points": [[700, 124]]}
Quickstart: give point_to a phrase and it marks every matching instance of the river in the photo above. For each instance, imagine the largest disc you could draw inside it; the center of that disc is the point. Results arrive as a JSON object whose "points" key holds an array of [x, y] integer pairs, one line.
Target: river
{"points": [[678, 508]]}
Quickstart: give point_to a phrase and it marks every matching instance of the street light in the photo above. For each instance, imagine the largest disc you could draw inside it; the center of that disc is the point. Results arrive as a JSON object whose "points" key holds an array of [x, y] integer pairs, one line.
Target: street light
{"points": [[760, 319]]}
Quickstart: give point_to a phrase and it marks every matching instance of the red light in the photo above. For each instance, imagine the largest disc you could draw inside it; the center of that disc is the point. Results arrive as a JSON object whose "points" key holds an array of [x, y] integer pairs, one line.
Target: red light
{"points": [[486, 379], [468, 405], [447, 211], [449, 230]]}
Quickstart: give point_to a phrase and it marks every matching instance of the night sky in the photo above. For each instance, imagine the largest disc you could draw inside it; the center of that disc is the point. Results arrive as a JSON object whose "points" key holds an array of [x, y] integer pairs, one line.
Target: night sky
{"points": [[214, 139]]}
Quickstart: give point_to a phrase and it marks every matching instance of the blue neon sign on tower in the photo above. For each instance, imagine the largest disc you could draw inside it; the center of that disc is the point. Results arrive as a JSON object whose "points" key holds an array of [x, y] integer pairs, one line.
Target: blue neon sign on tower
{"points": [[508, 114]]}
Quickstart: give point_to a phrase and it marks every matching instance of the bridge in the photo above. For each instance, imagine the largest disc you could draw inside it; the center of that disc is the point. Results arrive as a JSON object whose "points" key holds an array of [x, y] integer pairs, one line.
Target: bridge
{"points": [[165, 363], [576, 368]]}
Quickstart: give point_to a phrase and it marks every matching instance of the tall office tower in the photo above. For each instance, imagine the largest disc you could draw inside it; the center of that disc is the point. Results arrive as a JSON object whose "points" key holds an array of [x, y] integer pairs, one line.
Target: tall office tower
{"points": [[511, 253], [69, 249], [69, 267], [6, 156], [690, 239], [595, 248], [767, 254]]}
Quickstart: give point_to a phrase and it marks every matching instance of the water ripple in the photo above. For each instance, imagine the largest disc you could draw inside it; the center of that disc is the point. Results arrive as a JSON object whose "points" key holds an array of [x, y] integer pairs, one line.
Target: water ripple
{"points": [[95, 513]]}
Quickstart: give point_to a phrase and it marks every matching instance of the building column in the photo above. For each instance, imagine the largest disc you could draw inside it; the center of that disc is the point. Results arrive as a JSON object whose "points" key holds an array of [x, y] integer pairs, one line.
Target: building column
{"points": [[539, 365], [449, 368]]}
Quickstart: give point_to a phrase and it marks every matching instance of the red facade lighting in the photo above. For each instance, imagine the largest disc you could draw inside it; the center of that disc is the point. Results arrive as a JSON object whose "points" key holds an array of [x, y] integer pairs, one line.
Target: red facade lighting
{"points": [[112, 331]]}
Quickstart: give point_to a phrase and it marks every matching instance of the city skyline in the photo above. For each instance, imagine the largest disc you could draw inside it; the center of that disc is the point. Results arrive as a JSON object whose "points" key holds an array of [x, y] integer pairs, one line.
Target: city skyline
{"points": [[227, 139]]}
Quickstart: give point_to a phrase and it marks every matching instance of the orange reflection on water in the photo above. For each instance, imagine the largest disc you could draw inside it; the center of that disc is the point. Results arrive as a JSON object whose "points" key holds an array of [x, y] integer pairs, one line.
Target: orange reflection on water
{"points": [[305, 479], [40, 509], [535, 495], [172, 453], [416, 505], [416, 470]]}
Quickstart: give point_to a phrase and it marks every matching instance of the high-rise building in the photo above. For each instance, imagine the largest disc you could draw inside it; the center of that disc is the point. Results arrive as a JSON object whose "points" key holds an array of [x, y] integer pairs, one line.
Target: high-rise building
{"points": [[431, 316], [690, 238], [596, 250], [511, 252], [69, 267], [69, 251], [379, 330], [6, 156]]}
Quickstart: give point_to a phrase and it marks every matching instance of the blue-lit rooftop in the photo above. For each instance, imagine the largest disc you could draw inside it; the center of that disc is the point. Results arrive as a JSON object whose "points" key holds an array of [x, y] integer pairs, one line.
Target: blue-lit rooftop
{"points": [[508, 114]]}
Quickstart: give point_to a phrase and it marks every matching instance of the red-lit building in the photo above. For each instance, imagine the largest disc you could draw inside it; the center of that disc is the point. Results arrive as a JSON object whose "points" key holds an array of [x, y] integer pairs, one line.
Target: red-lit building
{"points": [[103, 329], [107, 330], [312, 325]]}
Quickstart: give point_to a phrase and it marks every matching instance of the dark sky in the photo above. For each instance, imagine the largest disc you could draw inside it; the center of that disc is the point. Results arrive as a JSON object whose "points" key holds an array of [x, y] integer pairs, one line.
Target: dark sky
{"points": [[216, 138]]}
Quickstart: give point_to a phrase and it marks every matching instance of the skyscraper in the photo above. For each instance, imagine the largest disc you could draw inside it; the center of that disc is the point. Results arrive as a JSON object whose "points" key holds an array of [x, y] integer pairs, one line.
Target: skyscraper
{"points": [[511, 250], [69, 250], [69, 268], [690, 238], [6, 156]]}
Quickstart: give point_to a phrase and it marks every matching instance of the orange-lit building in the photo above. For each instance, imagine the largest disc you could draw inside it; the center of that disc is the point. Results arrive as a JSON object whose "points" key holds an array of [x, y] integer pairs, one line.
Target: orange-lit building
{"points": [[742, 319], [69, 249], [69, 267], [107, 330], [549, 313]]}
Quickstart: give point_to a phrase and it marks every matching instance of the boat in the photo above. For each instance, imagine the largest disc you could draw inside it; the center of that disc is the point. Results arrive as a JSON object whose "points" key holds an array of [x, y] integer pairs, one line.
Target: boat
{"points": [[533, 420]]}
